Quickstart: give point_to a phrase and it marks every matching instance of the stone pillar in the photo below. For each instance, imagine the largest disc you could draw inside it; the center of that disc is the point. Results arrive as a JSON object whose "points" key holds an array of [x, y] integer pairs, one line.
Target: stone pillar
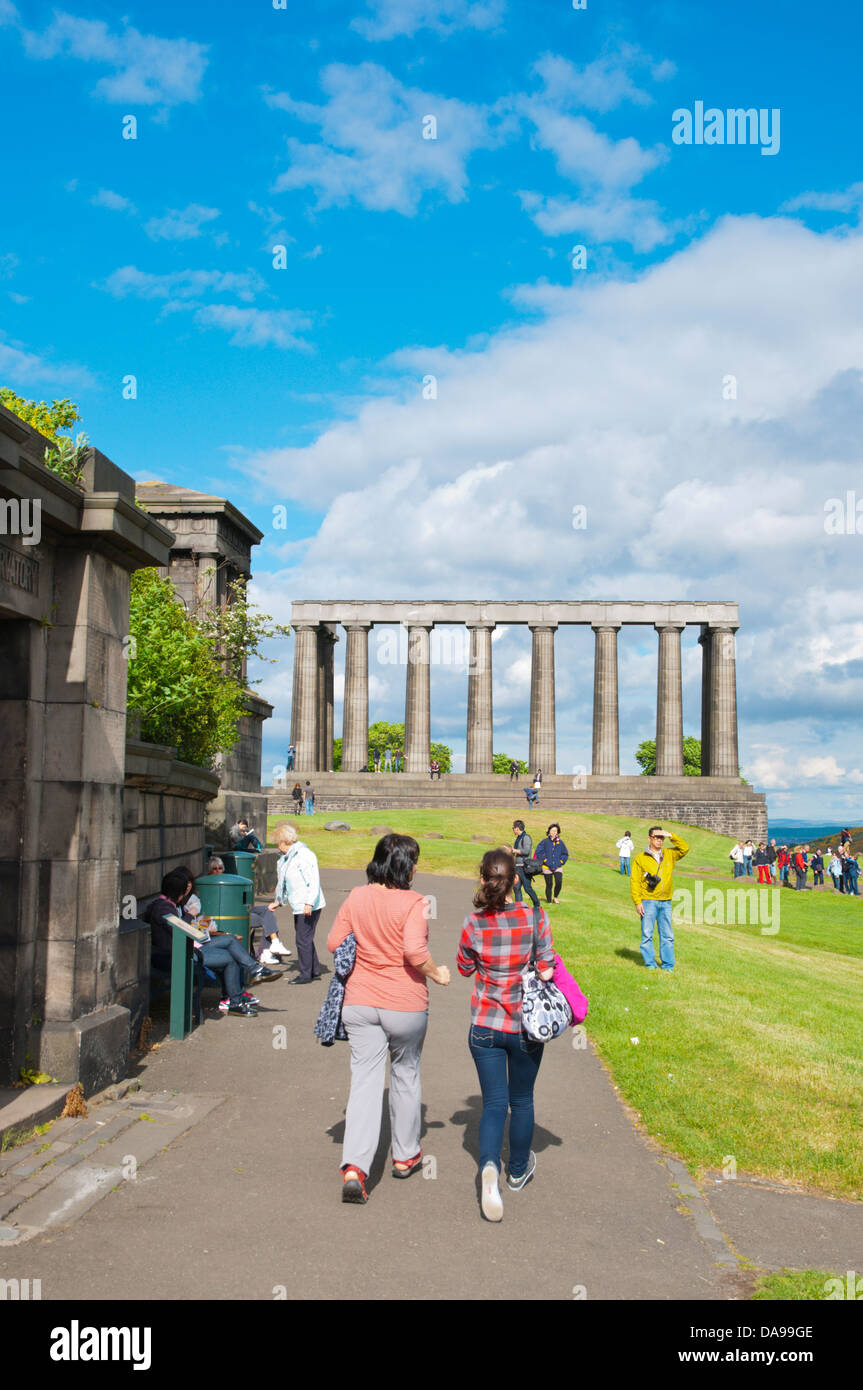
{"points": [[669, 702], [480, 752], [705, 641], [606, 736], [324, 701], [543, 751], [418, 699], [723, 704], [304, 711], [355, 729]]}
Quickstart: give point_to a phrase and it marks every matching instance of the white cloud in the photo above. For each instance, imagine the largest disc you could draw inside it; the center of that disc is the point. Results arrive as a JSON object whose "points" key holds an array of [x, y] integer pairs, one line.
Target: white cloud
{"points": [[256, 327], [636, 221], [22, 369], [849, 200], [614, 400], [181, 225], [390, 19], [182, 284], [603, 84], [114, 202], [372, 149], [148, 70]]}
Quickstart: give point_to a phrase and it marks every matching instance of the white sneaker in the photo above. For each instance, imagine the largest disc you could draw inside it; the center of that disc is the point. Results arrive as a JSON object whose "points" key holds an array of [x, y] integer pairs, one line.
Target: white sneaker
{"points": [[516, 1184], [269, 957], [278, 947], [492, 1202]]}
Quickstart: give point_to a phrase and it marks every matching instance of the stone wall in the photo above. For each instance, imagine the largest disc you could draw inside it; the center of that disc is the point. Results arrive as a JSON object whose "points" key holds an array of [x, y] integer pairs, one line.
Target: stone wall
{"points": [[64, 615], [164, 811]]}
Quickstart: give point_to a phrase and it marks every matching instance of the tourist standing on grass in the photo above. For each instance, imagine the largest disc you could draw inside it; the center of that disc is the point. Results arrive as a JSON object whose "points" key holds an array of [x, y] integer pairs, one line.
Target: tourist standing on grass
{"points": [[651, 885], [800, 865], [552, 854], [834, 864], [625, 845], [761, 865], [771, 860], [748, 853], [298, 886], [851, 872], [783, 861], [817, 868], [736, 856], [523, 847], [309, 798], [385, 1010], [497, 942]]}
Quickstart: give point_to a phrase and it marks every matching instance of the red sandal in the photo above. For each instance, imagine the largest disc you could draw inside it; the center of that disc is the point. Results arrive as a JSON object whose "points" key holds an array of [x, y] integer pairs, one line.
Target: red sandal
{"points": [[409, 1166], [354, 1187]]}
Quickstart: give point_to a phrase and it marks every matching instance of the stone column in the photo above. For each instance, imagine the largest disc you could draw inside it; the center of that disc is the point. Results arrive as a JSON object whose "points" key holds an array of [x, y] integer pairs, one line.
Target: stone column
{"points": [[355, 730], [325, 681], [480, 753], [304, 708], [418, 699], [669, 702], [705, 642], [606, 736], [723, 703], [543, 751]]}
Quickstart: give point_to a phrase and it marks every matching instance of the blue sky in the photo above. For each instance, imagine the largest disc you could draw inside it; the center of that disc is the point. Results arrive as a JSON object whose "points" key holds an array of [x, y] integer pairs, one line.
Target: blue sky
{"points": [[452, 256]]}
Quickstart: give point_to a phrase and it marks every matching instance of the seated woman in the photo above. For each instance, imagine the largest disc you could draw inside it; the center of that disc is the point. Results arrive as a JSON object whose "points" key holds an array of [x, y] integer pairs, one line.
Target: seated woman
{"points": [[241, 837], [220, 952], [272, 949]]}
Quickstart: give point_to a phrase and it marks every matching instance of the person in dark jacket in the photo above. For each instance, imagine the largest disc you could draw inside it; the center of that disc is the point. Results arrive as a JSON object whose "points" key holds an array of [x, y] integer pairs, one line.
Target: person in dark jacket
{"points": [[523, 847], [817, 867], [760, 861], [552, 854], [800, 865], [851, 871]]}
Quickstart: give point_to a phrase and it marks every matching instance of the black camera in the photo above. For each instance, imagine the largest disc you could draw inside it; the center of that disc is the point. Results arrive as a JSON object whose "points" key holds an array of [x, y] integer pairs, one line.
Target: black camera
{"points": [[653, 881]]}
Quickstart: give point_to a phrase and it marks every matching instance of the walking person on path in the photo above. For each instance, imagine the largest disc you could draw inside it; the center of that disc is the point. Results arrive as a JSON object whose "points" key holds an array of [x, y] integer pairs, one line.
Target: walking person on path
{"points": [[497, 942], [552, 854], [385, 1010], [625, 845], [651, 885], [523, 847], [298, 886]]}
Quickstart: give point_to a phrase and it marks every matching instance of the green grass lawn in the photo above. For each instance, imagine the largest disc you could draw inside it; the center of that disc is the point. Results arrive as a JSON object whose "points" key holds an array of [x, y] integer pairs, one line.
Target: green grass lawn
{"points": [[750, 1053]]}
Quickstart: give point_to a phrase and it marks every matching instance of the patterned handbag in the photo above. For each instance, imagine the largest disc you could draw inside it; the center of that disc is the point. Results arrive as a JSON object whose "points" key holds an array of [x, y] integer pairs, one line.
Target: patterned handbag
{"points": [[545, 1013]]}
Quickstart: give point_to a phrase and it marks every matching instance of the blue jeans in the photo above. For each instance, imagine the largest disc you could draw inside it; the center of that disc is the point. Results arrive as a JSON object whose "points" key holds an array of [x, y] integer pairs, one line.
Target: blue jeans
{"points": [[624, 867], [224, 953], [658, 914], [310, 807], [506, 1064], [747, 859], [739, 870]]}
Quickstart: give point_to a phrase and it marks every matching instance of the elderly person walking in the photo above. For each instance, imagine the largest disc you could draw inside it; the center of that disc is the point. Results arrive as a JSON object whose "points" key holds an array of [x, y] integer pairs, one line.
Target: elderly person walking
{"points": [[497, 942], [298, 886], [385, 1010]]}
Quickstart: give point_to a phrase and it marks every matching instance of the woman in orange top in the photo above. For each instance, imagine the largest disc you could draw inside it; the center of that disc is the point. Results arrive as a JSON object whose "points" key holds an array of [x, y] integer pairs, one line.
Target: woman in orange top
{"points": [[385, 1010]]}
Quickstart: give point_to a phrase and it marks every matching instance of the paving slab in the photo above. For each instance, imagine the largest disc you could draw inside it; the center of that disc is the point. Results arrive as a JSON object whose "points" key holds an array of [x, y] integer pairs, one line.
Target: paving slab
{"points": [[780, 1229]]}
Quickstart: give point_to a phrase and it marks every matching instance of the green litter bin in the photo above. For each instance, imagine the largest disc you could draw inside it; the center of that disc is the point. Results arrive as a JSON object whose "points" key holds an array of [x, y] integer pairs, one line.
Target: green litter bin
{"points": [[240, 862], [227, 898]]}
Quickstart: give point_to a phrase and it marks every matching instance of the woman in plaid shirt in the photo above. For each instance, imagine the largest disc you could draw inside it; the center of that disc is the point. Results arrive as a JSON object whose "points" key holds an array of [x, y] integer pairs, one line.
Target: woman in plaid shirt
{"points": [[496, 944]]}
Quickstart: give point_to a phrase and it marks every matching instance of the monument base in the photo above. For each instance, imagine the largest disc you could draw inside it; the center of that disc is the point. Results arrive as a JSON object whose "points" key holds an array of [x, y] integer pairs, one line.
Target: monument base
{"points": [[722, 804]]}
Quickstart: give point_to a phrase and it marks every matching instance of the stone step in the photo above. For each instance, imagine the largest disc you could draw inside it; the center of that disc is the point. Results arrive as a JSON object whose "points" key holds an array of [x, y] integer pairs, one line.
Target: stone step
{"points": [[53, 1186]]}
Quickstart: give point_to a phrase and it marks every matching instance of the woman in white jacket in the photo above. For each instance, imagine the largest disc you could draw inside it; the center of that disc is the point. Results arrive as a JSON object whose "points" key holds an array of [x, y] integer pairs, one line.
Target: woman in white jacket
{"points": [[299, 887]]}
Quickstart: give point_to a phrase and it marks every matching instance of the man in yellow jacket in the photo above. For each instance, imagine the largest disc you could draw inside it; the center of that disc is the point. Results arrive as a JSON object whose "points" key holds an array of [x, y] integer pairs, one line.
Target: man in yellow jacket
{"points": [[650, 883]]}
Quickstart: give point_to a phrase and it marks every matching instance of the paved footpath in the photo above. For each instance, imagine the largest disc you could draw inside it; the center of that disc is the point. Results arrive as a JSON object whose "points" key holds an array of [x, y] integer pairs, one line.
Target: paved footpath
{"points": [[236, 1188]]}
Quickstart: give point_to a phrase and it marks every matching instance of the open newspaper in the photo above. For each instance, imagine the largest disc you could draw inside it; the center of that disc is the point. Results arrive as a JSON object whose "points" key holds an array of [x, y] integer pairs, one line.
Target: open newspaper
{"points": [[187, 927]]}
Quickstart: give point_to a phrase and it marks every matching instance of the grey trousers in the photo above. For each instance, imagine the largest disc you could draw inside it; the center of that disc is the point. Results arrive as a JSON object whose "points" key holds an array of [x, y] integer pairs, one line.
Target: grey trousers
{"points": [[373, 1033]]}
